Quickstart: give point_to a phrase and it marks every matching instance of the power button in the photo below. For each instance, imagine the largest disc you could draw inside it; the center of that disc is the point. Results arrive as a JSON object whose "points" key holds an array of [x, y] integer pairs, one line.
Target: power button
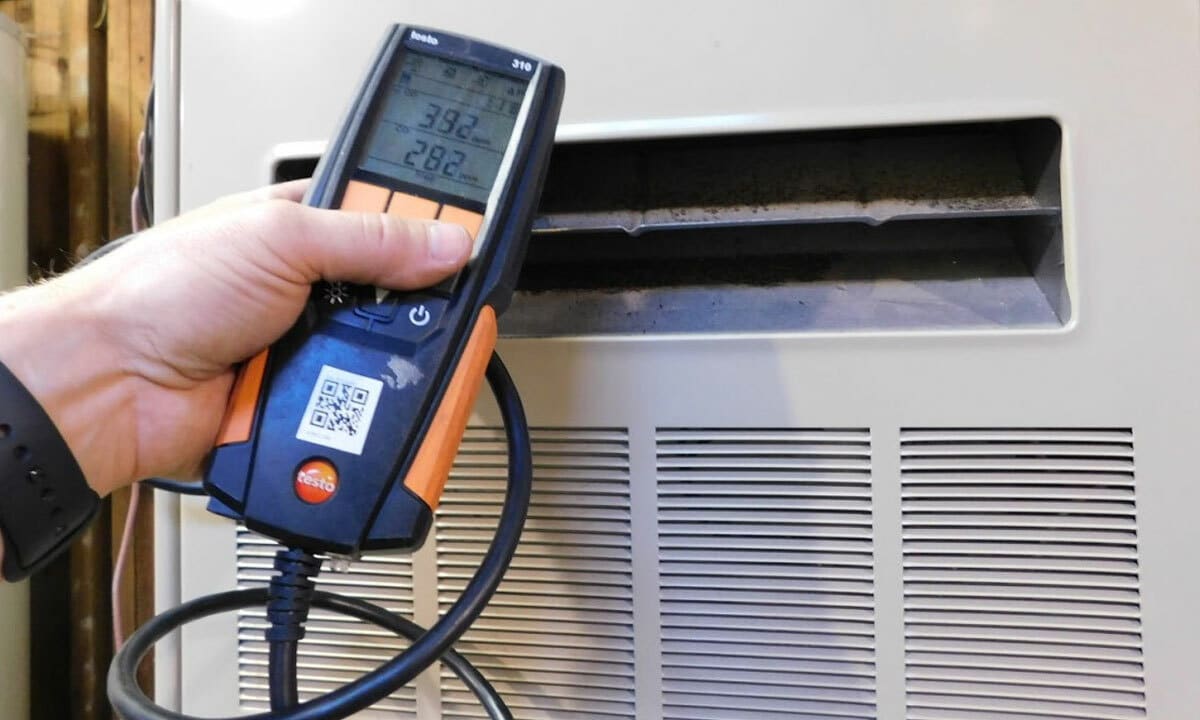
{"points": [[420, 316], [417, 317]]}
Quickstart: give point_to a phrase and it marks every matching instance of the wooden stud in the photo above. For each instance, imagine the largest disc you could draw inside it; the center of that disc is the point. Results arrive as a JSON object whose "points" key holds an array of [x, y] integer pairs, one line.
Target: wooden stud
{"points": [[89, 75], [84, 53], [129, 25]]}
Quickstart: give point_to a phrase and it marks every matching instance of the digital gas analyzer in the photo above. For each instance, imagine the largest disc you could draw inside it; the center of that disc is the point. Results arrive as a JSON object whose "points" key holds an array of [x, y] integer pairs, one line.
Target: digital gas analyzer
{"points": [[339, 438]]}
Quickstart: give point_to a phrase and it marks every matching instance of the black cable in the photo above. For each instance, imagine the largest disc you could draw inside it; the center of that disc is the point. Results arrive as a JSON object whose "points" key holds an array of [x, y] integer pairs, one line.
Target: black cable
{"points": [[215, 604], [281, 674], [287, 610], [180, 487], [491, 701], [131, 702], [146, 168], [290, 595]]}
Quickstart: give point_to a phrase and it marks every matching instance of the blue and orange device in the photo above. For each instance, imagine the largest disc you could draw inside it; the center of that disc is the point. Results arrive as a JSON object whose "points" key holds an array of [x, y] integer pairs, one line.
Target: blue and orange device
{"points": [[339, 438]]}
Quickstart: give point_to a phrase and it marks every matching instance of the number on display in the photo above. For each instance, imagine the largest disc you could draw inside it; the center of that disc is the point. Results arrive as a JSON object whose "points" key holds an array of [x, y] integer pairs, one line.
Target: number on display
{"points": [[437, 158], [448, 121]]}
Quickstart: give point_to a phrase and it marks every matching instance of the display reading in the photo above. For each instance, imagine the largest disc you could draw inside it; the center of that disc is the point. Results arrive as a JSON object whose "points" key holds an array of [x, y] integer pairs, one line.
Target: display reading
{"points": [[444, 126]]}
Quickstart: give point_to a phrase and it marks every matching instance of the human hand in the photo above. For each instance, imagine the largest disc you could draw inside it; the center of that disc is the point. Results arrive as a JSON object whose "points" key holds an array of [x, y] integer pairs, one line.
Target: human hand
{"points": [[132, 355]]}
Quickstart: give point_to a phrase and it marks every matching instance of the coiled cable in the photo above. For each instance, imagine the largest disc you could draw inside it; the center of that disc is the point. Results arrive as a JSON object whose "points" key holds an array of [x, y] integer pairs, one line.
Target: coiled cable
{"points": [[131, 702]]}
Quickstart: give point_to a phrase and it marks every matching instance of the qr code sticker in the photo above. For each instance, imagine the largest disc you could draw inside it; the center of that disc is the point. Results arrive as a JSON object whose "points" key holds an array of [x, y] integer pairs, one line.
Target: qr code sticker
{"points": [[340, 410]]}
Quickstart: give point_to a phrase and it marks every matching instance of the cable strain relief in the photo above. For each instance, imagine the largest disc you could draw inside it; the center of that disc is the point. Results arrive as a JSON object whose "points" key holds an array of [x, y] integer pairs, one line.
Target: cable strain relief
{"points": [[289, 595]]}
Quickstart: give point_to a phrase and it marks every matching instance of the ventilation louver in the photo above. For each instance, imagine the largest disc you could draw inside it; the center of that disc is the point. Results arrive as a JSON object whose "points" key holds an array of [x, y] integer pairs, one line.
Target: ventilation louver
{"points": [[557, 638], [1021, 575], [767, 580]]}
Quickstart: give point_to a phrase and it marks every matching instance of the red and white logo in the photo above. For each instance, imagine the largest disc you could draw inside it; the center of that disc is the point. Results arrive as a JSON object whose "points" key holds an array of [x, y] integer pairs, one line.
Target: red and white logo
{"points": [[316, 481]]}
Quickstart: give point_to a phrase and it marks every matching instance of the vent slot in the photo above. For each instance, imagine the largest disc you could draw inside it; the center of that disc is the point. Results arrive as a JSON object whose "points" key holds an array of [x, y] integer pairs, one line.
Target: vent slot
{"points": [[766, 573], [336, 649], [935, 226], [1021, 574], [864, 175], [557, 638], [932, 226]]}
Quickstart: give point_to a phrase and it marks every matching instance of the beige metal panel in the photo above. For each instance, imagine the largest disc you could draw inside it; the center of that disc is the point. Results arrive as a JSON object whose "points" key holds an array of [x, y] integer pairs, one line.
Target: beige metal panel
{"points": [[1118, 76], [166, 205], [209, 662], [14, 598]]}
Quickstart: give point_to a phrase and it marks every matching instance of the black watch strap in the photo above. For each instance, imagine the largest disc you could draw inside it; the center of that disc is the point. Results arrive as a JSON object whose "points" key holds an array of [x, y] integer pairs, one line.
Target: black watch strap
{"points": [[44, 498]]}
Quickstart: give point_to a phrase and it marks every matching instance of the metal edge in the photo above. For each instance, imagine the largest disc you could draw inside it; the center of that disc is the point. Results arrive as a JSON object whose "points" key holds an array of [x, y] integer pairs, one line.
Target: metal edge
{"points": [[168, 660]]}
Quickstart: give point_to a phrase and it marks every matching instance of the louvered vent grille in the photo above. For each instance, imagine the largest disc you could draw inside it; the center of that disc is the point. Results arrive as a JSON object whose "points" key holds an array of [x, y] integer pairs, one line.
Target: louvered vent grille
{"points": [[336, 649], [1021, 575], [557, 639], [767, 581]]}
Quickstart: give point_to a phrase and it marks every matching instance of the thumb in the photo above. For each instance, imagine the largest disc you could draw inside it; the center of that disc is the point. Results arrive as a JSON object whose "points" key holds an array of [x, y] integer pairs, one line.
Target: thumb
{"points": [[366, 248]]}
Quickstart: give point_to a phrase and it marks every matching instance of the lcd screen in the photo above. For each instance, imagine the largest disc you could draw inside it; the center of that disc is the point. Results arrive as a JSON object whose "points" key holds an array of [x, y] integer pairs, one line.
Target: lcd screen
{"points": [[445, 126]]}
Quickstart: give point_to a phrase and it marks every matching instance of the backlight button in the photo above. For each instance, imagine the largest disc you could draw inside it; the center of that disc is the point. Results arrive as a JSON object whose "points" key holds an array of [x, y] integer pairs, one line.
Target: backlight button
{"points": [[379, 305]]}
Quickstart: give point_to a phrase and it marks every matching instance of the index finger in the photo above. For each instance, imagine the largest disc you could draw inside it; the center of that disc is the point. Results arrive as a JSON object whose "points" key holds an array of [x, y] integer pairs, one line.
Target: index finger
{"points": [[292, 190]]}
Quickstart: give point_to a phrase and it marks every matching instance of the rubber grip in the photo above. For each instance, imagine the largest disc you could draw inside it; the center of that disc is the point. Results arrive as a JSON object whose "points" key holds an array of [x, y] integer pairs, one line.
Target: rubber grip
{"points": [[431, 467], [243, 401]]}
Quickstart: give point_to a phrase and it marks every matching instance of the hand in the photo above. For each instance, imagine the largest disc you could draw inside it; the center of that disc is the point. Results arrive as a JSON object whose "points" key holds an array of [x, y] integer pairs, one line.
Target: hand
{"points": [[132, 355]]}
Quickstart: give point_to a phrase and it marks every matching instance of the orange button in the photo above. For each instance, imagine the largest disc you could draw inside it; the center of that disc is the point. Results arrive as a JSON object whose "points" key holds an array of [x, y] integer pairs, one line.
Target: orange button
{"points": [[412, 207], [365, 197], [316, 481], [470, 220]]}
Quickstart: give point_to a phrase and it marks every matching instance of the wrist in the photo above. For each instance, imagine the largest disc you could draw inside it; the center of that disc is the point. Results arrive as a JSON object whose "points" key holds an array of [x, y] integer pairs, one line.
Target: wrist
{"points": [[60, 343]]}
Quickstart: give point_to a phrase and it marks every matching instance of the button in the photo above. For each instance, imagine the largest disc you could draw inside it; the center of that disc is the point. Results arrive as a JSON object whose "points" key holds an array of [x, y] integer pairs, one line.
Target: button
{"points": [[470, 220], [337, 301], [316, 481], [417, 317], [378, 304], [364, 197], [412, 207], [349, 315]]}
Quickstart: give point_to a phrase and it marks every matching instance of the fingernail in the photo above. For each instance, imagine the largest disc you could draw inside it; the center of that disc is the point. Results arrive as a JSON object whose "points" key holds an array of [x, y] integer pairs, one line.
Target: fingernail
{"points": [[448, 243]]}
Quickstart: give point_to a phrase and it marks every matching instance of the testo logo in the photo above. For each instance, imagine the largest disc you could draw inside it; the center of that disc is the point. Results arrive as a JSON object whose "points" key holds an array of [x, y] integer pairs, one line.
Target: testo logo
{"points": [[424, 37], [316, 481]]}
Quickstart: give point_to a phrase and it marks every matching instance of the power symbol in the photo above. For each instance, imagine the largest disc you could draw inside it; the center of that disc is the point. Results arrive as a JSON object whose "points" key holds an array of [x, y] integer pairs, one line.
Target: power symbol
{"points": [[419, 316]]}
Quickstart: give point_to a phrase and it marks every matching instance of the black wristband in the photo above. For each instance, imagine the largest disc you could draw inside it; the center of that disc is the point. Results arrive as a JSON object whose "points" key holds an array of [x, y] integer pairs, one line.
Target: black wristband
{"points": [[44, 498]]}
